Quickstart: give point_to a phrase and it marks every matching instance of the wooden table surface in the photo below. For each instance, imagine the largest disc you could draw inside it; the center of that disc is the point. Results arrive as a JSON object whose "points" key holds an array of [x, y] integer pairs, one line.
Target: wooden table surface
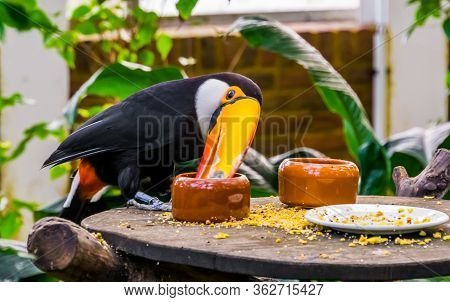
{"points": [[253, 250]]}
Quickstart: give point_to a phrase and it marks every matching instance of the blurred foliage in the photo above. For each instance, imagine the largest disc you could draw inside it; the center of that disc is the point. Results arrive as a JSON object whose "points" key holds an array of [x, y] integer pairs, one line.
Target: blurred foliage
{"points": [[16, 264], [337, 95], [432, 9], [11, 219], [412, 149], [185, 8]]}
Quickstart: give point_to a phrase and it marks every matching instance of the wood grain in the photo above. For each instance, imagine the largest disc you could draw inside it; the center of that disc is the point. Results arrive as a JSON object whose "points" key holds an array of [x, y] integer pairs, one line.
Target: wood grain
{"points": [[253, 250]]}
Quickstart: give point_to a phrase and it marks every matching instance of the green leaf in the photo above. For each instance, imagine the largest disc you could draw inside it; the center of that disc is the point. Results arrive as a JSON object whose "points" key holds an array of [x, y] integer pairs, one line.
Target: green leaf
{"points": [[10, 223], [119, 80], [60, 170], [418, 143], [10, 101], [2, 31], [337, 95], [414, 148], [185, 8], [446, 26], [80, 11], [164, 45], [41, 21], [448, 79], [147, 57], [15, 16], [16, 264], [86, 28]]}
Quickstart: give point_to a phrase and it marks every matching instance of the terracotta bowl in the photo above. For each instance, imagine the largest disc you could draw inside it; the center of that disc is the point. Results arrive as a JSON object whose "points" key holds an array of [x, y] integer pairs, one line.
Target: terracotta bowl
{"points": [[213, 199], [314, 182]]}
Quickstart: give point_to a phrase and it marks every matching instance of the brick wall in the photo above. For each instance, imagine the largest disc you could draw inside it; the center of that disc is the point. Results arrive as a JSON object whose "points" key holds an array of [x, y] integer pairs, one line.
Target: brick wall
{"points": [[291, 104]]}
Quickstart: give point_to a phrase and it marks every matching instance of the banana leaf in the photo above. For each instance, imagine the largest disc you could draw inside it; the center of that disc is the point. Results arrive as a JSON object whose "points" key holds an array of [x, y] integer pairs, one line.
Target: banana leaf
{"points": [[16, 264], [414, 148], [338, 96], [119, 80]]}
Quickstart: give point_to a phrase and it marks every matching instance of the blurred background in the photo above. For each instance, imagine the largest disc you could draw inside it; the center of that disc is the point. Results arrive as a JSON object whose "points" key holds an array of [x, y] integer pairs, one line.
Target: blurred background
{"points": [[394, 54]]}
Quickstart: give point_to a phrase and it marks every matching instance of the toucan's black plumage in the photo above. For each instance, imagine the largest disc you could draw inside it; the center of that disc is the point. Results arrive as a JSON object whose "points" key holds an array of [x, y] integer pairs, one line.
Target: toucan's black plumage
{"points": [[140, 137]]}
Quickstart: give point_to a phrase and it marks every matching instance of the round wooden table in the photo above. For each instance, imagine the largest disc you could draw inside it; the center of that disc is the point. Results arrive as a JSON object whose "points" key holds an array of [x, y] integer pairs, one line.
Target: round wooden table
{"points": [[254, 251]]}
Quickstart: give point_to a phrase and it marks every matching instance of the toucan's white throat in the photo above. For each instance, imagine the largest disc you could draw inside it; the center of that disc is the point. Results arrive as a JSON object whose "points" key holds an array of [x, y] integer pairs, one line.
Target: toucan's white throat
{"points": [[207, 100]]}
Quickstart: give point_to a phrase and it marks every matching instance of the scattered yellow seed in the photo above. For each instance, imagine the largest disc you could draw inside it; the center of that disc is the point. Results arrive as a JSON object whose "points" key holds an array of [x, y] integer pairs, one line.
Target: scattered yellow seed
{"points": [[221, 235], [410, 210], [428, 197], [427, 240], [342, 239], [401, 210], [426, 219], [319, 233], [351, 244], [404, 241], [302, 241], [437, 235], [422, 233], [312, 237], [446, 237], [326, 256], [421, 243], [278, 240]]}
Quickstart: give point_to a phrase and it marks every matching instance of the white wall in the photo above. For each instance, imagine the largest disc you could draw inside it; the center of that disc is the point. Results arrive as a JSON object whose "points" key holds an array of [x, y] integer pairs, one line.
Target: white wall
{"points": [[418, 70], [414, 94], [37, 73]]}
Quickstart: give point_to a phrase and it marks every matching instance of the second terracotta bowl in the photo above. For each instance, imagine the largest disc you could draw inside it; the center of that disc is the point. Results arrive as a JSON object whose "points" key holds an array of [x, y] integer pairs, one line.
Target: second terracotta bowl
{"points": [[213, 199], [314, 182]]}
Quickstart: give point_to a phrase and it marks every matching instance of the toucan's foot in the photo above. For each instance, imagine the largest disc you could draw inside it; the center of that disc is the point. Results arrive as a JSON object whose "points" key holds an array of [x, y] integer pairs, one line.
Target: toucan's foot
{"points": [[143, 201]]}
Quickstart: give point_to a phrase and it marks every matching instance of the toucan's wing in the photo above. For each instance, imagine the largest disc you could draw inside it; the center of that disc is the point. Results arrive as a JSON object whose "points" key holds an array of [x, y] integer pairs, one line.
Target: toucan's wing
{"points": [[139, 121]]}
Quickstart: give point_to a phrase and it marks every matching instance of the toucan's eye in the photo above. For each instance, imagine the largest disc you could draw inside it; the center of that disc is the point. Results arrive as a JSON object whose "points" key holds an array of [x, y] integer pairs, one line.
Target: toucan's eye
{"points": [[230, 94]]}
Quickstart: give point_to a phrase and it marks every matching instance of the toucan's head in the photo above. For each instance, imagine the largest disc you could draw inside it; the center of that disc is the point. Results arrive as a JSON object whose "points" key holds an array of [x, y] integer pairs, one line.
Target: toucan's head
{"points": [[228, 108]]}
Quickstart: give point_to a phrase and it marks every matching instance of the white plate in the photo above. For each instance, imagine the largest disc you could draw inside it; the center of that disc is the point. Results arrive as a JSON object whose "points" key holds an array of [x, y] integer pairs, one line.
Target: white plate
{"points": [[338, 217]]}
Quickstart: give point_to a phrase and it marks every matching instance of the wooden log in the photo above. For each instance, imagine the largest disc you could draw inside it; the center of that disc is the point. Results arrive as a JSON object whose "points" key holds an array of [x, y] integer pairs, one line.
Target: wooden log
{"points": [[70, 253], [434, 180]]}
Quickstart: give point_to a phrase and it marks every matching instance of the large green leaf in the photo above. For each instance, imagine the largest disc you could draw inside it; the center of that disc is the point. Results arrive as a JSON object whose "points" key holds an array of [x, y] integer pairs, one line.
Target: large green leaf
{"points": [[16, 264], [414, 148], [119, 80], [337, 95]]}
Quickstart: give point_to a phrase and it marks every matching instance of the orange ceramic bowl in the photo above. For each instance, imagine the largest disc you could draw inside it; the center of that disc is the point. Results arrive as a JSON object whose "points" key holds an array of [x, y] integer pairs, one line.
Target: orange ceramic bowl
{"points": [[213, 199], [314, 182]]}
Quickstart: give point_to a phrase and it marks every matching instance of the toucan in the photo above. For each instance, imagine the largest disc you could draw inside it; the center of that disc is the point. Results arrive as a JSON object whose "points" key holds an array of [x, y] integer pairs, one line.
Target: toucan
{"points": [[212, 117]]}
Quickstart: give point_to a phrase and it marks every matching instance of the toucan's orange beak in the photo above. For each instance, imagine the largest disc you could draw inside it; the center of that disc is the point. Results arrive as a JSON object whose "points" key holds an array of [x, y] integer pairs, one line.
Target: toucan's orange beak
{"points": [[231, 133]]}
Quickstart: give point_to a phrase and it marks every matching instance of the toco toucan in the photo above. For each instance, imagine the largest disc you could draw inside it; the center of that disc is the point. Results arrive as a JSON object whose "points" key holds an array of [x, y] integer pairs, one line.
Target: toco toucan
{"points": [[213, 117]]}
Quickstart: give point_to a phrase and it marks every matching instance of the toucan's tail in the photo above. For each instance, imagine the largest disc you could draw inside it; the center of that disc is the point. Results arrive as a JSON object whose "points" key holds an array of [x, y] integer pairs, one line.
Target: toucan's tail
{"points": [[86, 187]]}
